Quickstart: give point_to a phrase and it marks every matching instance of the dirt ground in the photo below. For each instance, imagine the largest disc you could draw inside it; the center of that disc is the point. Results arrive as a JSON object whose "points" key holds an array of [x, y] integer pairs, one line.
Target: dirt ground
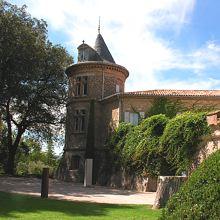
{"points": [[75, 192]]}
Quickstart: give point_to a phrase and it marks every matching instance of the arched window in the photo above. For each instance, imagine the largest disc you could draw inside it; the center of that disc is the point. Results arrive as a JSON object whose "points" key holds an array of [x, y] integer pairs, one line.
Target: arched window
{"points": [[75, 162]]}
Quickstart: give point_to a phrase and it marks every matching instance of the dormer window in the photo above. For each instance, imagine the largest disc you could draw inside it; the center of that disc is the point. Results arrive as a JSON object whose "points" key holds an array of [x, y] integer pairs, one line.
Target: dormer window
{"points": [[81, 85]]}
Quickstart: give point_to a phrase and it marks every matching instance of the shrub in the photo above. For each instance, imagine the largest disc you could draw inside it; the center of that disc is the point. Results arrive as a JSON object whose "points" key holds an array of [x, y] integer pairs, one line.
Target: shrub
{"points": [[22, 168], [199, 197], [182, 137]]}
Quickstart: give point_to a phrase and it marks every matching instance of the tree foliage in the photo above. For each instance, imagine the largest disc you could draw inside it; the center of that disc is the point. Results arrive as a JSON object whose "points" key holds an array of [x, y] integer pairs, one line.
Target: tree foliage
{"points": [[32, 81], [199, 198], [30, 158]]}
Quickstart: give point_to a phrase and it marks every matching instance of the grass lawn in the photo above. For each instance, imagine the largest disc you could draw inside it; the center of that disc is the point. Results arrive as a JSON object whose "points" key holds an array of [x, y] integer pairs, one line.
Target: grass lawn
{"points": [[14, 206]]}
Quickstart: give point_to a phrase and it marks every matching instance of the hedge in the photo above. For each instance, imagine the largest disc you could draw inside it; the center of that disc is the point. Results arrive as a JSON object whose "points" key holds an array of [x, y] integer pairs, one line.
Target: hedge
{"points": [[199, 198]]}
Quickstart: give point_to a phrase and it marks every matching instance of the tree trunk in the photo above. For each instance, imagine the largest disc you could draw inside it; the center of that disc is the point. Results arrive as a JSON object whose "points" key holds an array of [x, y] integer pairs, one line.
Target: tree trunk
{"points": [[12, 150], [168, 185], [12, 146], [11, 161]]}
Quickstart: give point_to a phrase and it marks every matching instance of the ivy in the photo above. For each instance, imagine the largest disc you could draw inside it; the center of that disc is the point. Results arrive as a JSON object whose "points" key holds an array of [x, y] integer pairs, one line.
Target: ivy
{"points": [[142, 148], [182, 137], [115, 145], [158, 145]]}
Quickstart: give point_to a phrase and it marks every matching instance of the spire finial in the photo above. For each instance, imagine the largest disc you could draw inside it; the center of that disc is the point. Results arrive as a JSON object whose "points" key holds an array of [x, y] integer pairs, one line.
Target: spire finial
{"points": [[99, 26]]}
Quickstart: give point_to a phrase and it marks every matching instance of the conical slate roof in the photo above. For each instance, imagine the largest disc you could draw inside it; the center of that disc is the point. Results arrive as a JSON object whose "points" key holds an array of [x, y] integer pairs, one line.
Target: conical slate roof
{"points": [[102, 49]]}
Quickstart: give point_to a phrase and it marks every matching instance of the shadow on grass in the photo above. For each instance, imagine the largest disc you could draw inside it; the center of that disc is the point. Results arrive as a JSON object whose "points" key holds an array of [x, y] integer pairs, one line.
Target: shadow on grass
{"points": [[19, 206]]}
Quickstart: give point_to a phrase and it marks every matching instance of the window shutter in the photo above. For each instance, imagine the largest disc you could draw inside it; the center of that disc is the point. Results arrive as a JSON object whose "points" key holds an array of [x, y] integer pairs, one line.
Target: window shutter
{"points": [[135, 119], [126, 117]]}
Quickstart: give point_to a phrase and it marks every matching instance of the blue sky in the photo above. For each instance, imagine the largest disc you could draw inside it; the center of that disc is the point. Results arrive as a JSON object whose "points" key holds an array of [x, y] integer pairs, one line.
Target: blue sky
{"points": [[165, 44]]}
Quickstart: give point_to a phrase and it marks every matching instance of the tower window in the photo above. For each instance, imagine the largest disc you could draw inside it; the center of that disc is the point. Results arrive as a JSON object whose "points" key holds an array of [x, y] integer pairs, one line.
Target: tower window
{"points": [[117, 88], [78, 85], [85, 84], [79, 120], [82, 85], [75, 162]]}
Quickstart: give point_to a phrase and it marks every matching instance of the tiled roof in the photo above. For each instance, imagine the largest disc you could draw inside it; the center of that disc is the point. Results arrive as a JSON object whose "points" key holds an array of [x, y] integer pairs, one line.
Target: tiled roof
{"points": [[168, 92], [102, 49]]}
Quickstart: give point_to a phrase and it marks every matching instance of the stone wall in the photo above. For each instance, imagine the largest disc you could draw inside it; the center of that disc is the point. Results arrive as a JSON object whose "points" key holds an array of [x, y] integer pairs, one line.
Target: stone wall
{"points": [[121, 179], [143, 103], [211, 143]]}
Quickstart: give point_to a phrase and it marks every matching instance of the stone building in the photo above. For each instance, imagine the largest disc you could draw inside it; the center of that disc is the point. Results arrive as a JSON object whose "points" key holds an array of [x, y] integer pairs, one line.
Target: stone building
{"points": [[97, 77]]}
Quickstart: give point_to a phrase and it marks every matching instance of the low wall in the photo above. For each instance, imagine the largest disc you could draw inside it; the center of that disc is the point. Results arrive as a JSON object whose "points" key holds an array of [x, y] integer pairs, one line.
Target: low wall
{"points": [[167, 186], [121, 179], [209, 145]]}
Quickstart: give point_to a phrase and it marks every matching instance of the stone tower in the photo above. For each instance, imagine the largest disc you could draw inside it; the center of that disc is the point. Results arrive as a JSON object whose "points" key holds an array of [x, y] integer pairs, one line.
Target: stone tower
{"points": [[94, 77]]}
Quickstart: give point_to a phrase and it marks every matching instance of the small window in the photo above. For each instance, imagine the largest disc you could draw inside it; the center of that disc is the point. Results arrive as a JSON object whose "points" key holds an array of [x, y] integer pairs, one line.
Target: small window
{"points": [[83, 119], [117, 88], [78, 86], [132, 117], [75, 162], [81, 85], [76, 124], [85, 85], [79, 120]]}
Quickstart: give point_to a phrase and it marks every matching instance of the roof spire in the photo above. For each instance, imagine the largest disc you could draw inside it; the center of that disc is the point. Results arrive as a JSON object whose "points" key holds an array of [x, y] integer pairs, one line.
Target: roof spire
{"points": [[99, 26]]}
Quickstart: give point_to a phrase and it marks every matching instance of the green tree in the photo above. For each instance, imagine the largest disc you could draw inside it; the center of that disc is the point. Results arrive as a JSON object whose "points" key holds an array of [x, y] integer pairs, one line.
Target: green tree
{"points": [[51, 158], [30, 157], [32, 81]]}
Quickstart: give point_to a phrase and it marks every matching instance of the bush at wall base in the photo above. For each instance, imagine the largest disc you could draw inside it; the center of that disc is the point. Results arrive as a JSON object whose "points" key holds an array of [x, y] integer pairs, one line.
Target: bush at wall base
{"points": [[199, 198]]}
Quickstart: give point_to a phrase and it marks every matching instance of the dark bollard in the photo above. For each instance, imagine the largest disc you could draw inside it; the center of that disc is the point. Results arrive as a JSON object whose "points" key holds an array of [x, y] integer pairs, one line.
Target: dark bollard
{"points": [[45, 183]]}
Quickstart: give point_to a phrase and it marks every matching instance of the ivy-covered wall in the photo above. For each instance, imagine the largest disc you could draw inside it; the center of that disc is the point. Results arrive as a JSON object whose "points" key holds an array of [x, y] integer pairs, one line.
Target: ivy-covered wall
{"points": [[157, 146]]}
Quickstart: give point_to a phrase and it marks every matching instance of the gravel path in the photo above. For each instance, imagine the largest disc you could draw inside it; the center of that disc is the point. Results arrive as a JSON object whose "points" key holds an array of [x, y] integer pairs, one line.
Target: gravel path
{"points": [[75, 192]]}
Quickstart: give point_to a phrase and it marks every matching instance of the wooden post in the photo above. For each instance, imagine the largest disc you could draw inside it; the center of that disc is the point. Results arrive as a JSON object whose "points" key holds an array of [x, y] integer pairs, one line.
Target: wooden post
{"points": [[45, 183]]}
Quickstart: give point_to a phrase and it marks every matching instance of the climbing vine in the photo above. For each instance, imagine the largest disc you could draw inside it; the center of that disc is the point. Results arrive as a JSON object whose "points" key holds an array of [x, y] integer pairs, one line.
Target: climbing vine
{"points": [[158, 145], [182, 137]]}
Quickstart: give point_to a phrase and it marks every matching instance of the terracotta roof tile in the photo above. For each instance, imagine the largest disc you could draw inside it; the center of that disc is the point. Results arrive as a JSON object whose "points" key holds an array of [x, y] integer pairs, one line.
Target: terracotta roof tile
{"points": [[169, 92]]}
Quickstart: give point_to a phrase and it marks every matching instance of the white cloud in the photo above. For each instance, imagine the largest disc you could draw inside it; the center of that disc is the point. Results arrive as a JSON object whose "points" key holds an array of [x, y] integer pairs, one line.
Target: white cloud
{"points": [[128, 28]]}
